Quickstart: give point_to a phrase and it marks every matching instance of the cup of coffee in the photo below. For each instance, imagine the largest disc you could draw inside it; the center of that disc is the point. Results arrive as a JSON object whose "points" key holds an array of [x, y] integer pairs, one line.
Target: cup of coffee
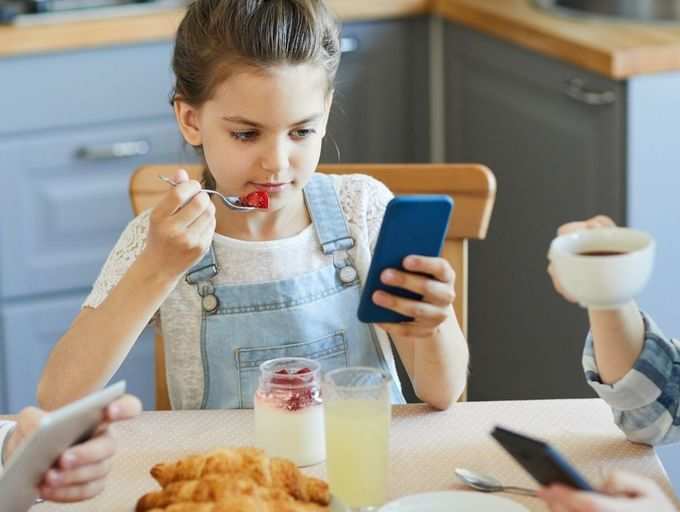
{"points": [[603, 268]]}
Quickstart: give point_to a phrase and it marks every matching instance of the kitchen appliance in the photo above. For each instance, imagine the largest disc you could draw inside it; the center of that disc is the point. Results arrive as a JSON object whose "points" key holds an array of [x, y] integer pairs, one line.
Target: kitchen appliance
{"points": [[635, 10]]}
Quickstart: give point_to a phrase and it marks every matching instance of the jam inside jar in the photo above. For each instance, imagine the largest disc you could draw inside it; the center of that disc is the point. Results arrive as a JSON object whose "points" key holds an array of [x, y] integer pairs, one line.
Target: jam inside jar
{"points": [[289, 419]]}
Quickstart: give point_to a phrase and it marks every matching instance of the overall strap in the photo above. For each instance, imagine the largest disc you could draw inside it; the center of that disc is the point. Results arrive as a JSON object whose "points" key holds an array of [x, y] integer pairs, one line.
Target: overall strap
{"points": [[327, 216], [205, 269]]}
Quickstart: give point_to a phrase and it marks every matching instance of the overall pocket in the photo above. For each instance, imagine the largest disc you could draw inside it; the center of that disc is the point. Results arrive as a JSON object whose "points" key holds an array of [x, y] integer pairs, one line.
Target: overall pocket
{"points": [[330, 351]]}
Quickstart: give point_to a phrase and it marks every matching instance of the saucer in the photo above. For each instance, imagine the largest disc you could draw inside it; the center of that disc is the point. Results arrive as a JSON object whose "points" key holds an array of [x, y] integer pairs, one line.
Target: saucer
{"points": [[447, 501]]}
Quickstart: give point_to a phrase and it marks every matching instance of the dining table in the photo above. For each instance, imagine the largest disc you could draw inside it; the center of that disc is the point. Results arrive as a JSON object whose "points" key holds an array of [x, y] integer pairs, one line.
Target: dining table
{"points": [[426, 445]]}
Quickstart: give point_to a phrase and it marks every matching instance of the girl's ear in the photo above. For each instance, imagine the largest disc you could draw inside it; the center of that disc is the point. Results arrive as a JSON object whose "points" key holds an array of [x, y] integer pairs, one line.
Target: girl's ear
{"points": [[187, 120]]}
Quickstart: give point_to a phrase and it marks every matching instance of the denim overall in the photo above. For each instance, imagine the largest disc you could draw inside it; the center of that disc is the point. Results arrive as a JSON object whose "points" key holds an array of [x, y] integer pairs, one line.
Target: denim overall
{"points": [[312, 315]]}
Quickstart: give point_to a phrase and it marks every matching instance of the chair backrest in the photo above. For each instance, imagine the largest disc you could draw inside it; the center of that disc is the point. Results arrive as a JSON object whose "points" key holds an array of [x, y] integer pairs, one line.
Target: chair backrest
{"points": [[473, 187]]}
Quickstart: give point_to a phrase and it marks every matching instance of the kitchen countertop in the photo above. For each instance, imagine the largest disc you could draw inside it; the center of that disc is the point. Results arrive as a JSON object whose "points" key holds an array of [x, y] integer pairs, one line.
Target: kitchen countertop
{"points": [[161, 26], [615, 49], [612, 48]]}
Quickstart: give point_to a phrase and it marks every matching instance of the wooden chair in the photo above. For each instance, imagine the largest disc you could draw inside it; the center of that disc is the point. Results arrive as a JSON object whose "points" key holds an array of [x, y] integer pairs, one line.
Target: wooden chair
{"points": [[473, 187]]}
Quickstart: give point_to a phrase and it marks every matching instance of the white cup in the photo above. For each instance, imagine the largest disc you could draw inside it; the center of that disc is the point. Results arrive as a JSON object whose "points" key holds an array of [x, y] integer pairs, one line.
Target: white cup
{"points": [[603, 281]]}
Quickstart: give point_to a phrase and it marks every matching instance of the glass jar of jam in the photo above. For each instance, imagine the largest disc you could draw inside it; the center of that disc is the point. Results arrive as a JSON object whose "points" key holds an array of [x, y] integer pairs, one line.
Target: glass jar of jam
{"points": [[289, 419]]}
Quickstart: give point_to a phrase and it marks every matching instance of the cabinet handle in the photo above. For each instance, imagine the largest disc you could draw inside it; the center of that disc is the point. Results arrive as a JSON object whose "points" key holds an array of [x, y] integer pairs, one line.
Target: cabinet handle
{"points": [[113, 151], [576, 89], [349, 44]]}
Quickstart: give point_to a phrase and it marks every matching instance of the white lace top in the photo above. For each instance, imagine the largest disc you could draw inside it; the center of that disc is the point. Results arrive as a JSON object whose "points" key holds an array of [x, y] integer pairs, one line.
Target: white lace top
{"points": [[363, 200]]}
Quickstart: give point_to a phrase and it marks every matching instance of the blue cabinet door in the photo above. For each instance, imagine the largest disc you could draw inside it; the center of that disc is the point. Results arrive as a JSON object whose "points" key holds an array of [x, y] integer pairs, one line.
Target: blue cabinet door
{"points": [[31, 329], [84, 87], [66, 201]]}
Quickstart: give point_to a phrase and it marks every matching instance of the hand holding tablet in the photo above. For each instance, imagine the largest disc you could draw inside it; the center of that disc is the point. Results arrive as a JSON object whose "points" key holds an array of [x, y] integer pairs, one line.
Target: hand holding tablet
{"points": [[42, 458]]}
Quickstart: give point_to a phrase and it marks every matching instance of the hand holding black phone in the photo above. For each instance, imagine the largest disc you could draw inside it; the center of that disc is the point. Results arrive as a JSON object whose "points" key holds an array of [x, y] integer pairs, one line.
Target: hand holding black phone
{"points": [[540, 460]]}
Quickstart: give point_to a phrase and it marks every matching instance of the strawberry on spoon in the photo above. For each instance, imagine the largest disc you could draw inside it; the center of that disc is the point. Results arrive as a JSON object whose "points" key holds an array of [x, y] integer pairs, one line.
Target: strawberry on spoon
{"points": [[230, 202], [257, 199]]}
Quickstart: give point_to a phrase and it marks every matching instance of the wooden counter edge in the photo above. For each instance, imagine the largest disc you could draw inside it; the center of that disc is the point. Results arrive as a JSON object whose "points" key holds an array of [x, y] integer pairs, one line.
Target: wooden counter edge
{"points": [[613, 63], [161, 26]]}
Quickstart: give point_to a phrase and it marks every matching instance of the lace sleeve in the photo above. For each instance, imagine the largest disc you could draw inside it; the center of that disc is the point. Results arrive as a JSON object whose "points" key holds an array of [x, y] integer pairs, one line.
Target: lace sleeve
{"points": [[364, 200], [129, 246]]}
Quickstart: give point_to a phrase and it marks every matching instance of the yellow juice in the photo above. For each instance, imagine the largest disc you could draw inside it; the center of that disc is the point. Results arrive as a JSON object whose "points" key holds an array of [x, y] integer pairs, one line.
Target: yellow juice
{"points": [[357, 450]]}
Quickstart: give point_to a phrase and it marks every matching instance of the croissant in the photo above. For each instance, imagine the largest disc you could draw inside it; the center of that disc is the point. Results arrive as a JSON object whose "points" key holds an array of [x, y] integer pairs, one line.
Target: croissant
{"points": [[248, 463], [243, 504], [225, 461], [211, 488]]}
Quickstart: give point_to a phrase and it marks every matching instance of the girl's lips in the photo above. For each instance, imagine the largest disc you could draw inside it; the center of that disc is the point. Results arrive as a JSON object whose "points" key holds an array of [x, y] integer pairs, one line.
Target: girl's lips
{"points": [[270, 188]]}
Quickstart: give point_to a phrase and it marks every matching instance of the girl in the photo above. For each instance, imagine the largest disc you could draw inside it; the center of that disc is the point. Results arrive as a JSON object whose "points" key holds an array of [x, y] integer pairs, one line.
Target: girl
{"points": [[254, 87]]}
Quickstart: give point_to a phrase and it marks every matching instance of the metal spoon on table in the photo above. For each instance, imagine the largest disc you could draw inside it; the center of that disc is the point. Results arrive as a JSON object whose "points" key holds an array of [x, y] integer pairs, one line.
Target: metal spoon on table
{"points": [[233, 203], [486, 483]]}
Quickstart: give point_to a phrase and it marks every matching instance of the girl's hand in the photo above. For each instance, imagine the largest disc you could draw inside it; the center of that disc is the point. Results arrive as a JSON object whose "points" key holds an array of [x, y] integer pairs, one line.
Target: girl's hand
{"points": [[80, 471], [436, 288], [181, 227], [601, 221], [627, 493]]}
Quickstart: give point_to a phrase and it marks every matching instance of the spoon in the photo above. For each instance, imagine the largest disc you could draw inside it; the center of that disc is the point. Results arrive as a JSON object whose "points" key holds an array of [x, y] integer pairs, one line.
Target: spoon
{"points": [[233, 203], [486, 483]]}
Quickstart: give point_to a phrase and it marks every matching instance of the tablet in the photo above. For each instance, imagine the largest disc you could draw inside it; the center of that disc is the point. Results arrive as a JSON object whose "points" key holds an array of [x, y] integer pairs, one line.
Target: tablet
{"points": [[72, 424]]}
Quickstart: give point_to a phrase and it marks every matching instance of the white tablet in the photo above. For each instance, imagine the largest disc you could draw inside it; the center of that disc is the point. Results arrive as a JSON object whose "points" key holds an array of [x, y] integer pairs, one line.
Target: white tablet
{"points": [[58, 430]]}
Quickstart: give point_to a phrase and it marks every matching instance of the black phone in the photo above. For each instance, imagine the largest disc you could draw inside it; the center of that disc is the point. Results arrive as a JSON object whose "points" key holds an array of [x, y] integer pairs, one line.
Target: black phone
{"points": [[540, 460]]}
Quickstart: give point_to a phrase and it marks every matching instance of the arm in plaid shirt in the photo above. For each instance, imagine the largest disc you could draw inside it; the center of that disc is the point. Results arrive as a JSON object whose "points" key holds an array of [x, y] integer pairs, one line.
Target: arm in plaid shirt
{"points": [[645, 401]]}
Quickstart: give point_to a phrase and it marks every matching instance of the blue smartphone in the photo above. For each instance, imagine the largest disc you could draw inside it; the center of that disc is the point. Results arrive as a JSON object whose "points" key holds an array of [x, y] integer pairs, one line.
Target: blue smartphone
{"points": [[414, 224], [540, 460]]}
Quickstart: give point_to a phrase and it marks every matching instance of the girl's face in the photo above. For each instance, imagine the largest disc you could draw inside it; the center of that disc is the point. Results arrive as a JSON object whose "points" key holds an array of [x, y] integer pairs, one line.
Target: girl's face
{"points": [[262, 130]]}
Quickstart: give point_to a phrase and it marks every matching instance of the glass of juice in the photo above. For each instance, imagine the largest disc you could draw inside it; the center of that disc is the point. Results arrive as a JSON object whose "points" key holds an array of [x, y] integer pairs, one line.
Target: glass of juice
{"points": [[357, 413]]}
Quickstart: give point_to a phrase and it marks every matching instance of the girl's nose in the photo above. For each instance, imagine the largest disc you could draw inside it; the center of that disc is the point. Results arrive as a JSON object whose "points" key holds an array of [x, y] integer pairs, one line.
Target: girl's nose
{"points": [[276, 157]]}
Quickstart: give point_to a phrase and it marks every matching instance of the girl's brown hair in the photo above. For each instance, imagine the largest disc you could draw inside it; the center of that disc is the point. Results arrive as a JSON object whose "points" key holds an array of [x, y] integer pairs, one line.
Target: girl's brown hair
{"points": [[215, 36]]}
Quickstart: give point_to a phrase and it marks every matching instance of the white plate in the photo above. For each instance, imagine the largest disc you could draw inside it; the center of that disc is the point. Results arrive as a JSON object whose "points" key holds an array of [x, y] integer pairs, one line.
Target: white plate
{"points": [[447, 501]]}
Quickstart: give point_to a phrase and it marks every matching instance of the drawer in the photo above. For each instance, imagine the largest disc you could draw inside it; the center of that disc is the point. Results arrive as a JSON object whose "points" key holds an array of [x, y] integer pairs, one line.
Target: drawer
{"points": [[85, 87], [66, 201], [30, 330]]}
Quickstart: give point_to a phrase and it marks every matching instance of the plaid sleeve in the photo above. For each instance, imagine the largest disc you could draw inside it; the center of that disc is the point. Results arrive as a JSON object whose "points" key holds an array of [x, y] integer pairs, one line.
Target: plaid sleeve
{"points": [[645, 400]]}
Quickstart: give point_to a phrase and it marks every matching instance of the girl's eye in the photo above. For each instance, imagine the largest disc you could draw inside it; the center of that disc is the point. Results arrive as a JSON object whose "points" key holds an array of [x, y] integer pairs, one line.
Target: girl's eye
{"points": [[245, 136], [303, 133]]}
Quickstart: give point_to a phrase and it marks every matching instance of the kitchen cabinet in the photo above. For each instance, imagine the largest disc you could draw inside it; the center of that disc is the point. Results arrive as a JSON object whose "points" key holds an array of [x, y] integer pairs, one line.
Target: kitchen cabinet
{"points": [[66, 156], [84, 88], [70, 202], [555, 137], [381, 105], [30, 330]]}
